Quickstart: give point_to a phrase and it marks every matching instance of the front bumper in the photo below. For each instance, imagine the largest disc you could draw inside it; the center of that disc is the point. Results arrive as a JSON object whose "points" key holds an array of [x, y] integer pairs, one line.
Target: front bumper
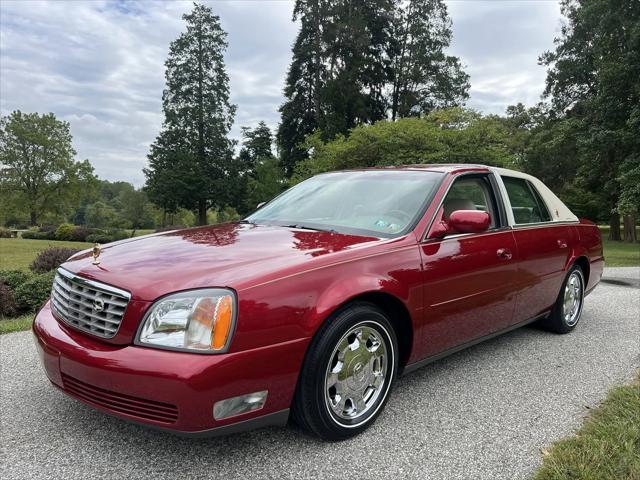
{"points": [[166, 389]]}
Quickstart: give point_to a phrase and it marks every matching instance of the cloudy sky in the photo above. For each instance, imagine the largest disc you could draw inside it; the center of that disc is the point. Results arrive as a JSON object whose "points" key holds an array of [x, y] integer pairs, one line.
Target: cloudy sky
{"points": [[99, 64]]}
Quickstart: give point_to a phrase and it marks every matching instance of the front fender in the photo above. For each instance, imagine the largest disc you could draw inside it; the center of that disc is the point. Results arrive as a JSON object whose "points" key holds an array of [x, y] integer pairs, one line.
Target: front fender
{"points": [[341, 292]]}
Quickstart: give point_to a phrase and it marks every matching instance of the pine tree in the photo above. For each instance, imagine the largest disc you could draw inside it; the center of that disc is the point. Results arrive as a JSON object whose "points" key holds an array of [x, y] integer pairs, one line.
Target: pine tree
{"points": [[358, 67], [302, 110], [359, 61], [256, 145], [255, 151], [190, 161], [424, 77]]}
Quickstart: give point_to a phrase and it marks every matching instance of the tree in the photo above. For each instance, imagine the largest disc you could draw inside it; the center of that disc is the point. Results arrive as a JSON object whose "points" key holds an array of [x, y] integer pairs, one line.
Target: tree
{"points": [[593, 78], [258, 171], [189, 163], [357, 62], [338, 73], [424, 77], [357, 40], [37, 165], [256, 144], [100, 214], [267, 183], [136, 209], [443, 136], [302, 111]]}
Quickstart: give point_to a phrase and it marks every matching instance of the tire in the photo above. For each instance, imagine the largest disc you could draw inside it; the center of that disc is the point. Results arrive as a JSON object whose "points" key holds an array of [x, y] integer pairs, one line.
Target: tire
{"points": [[347, 374], [567, 310]]}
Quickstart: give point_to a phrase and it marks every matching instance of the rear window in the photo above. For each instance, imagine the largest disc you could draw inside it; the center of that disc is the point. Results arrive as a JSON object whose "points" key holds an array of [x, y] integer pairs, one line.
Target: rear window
{"points": [[526, 203]]}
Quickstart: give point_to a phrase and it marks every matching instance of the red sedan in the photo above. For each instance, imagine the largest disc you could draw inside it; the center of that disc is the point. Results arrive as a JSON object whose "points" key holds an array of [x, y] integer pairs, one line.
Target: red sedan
{"points": [[314, 304]]}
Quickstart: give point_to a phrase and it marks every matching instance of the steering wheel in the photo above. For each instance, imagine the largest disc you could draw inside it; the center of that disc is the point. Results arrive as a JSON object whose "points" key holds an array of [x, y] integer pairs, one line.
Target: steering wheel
{"points": [[399, 214]]}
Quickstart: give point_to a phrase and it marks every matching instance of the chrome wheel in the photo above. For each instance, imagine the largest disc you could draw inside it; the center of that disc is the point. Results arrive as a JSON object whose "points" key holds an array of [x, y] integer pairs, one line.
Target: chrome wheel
{"points": [[357, 374], [573, 296]]}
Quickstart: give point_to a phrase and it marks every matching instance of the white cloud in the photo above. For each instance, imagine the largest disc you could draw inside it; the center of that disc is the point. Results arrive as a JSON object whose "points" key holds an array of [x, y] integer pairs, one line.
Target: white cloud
{"points": [[100, 65], [499, 42]]}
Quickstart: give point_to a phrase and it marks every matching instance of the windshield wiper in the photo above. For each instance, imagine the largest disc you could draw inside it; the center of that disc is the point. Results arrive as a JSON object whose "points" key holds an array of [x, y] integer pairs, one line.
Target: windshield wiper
{"points": [[305, 227]]}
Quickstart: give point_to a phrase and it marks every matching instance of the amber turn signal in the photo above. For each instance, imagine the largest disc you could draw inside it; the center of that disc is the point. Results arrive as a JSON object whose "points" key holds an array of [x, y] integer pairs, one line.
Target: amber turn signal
{"points": [[223, 320]]}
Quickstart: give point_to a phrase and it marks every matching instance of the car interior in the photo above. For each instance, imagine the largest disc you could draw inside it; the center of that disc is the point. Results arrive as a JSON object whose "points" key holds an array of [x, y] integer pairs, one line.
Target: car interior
{"points": [[470, 194]]}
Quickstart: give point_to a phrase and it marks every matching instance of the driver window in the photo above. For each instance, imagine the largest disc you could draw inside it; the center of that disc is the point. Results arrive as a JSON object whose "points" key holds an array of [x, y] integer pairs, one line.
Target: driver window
{"points": [[470, 194]]}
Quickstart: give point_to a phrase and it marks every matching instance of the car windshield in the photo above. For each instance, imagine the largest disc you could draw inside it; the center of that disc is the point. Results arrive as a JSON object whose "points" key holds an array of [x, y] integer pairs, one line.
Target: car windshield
{"points": [[383, 203]]}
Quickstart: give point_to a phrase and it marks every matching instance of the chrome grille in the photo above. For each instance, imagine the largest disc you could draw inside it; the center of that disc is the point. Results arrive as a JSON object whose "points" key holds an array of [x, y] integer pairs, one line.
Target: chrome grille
{"points": [[89, 306]]}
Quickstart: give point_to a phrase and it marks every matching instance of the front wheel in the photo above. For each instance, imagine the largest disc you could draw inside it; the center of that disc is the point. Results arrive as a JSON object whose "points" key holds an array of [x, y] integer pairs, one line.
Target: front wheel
{"points": [[567, 310], [347, 374]]}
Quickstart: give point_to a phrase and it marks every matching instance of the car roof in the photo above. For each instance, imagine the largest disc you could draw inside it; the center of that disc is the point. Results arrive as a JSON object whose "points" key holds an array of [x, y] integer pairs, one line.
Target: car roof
{"points": [[435, 167]]}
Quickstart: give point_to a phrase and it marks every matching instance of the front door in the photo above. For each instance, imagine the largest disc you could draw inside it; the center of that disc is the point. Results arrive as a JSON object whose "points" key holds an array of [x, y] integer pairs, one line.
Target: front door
{"points": [[468, 279]]}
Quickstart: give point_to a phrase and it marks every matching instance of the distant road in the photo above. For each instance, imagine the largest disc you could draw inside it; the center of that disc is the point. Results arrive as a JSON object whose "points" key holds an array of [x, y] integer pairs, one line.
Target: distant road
{"points": [[483, 413]]}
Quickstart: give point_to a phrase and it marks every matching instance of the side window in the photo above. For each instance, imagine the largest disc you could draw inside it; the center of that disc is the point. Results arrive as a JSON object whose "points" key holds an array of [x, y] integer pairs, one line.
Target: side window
{"points": [[471, 194], [526, 203]]}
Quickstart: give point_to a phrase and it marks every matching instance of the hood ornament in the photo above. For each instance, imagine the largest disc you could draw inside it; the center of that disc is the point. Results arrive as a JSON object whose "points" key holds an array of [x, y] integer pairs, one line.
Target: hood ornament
{"points": [[96, 253]]}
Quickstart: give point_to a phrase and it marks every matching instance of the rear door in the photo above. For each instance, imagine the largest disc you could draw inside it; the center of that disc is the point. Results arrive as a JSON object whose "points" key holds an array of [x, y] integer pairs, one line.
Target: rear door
{"points": [[469, 278], [543, 248]]}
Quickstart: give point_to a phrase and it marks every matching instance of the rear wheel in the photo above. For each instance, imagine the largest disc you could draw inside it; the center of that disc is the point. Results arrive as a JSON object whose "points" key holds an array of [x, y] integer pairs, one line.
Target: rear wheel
{"points": [[347, 374], [567, 310]]}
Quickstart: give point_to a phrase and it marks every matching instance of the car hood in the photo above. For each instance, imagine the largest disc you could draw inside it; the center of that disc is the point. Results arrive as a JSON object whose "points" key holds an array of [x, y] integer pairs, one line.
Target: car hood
{"points": [[232, 255]]}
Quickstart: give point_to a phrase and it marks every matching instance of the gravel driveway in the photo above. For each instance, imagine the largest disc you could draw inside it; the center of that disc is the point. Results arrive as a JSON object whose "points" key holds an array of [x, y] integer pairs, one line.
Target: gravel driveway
{"points": [[482, 413]]}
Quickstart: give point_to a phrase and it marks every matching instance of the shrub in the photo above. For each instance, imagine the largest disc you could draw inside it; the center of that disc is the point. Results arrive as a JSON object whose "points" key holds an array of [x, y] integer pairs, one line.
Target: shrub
{"points": [[39, 235], [34, 292], [65, 231], [14, 278], [8, 307], [108, 236], [99, 238], [48, 228], [5, 233], [80, 234], [51, 258], [117, 234]]}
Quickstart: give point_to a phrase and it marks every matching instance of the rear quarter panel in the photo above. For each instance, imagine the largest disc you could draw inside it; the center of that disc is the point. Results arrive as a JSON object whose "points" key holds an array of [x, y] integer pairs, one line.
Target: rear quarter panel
{"points": [[589, 245]]}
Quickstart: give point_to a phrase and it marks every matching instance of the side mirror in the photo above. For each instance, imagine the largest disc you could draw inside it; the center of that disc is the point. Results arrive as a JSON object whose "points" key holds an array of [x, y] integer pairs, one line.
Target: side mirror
{"points": [[469, 221], [260, 204]]}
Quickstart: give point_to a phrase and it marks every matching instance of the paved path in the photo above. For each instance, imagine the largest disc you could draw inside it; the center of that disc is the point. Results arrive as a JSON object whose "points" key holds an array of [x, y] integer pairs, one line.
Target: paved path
{"points": [[483, 413]]}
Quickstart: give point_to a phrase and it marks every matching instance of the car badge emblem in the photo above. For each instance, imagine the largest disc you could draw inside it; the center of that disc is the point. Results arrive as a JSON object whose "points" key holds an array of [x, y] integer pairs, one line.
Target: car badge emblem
{"points": [[96, 254], [98, 305]]}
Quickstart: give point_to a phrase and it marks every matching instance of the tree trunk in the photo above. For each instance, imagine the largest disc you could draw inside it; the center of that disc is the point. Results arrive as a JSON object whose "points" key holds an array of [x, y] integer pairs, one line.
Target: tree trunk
{"points": [[614, 227], [630, 228], [202, 212], [33, 215]]}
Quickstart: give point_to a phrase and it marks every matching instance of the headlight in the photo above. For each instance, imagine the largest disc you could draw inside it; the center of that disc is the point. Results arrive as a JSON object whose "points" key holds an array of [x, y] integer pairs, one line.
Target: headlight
{"points": [[196, 320]]}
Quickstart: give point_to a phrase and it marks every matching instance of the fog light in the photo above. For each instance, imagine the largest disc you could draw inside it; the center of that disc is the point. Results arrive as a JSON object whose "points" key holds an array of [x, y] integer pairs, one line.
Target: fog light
{"points": [[237, 405]]}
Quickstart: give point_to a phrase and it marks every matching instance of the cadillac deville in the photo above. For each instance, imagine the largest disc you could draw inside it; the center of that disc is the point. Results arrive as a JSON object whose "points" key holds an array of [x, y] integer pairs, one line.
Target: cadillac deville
{"points": [[312, 306]]}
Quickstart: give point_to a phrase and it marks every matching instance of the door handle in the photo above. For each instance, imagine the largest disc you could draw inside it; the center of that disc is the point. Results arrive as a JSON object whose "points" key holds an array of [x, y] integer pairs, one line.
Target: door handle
{"points": [[504, 253], [562, 243]]}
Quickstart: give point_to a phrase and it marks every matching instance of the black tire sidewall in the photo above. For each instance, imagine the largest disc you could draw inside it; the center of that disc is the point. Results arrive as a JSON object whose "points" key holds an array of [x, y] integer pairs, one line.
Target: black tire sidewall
{"points": [[562, 324], [316, 412]]}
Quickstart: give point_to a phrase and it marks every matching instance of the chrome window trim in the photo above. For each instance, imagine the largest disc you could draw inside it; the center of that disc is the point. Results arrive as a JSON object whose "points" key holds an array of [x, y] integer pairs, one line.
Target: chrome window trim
{"points": [[552, 223], [507, 204], [497, 194]]}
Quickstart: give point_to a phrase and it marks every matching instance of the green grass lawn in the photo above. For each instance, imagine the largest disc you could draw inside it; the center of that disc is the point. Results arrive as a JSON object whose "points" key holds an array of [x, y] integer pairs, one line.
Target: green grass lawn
{"points": [[18, 253], [619, 254], [607, 447], [17, 324]]}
